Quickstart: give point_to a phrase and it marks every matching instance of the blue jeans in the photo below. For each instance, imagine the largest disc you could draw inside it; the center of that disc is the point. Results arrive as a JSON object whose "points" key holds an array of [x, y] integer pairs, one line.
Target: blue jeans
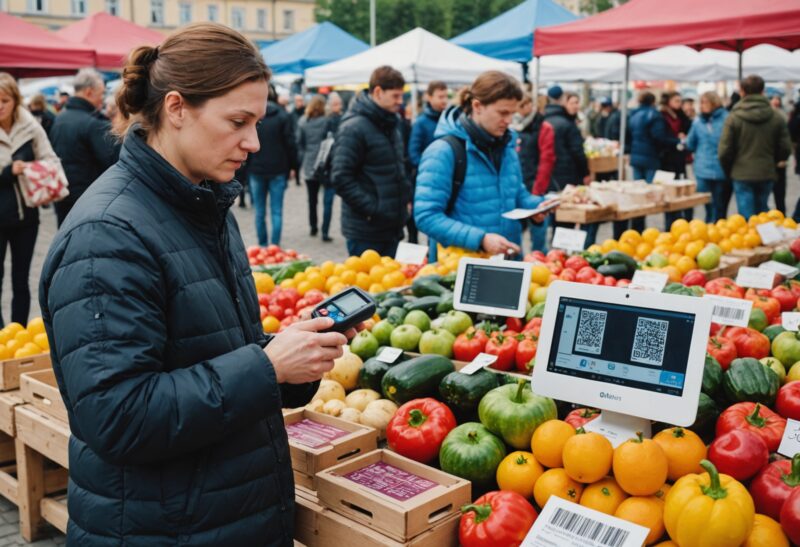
{"points": [[752, 197], [721, 191], [539, 235], [260, 187], [384, 248]]}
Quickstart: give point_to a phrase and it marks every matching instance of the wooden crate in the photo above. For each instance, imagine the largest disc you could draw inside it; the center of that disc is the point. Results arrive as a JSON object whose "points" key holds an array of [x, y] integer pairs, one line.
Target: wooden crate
{"points": [[605, 164], [316, 453], [318, 526], [41, 390], [407, 505], [9, 400], [579, 213], [627, 214], [754, 256], [40, 437], [729, 265], [687, 202], [10, 369]]}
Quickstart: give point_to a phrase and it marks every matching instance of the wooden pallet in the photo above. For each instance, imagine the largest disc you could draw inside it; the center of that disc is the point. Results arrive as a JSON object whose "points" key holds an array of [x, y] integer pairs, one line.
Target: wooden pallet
{"points": [[40, 437], [687, 202], [584, 213]]}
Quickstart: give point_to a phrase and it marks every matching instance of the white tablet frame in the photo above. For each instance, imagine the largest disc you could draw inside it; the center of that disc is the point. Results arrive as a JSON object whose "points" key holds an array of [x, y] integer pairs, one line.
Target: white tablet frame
{"points": [[520, 310], [631, 401]]}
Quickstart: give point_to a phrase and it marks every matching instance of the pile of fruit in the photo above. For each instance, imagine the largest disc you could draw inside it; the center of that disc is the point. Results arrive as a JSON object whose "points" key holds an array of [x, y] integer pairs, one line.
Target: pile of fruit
{"points": [[271, 254], [18, 341], [283, 307]]}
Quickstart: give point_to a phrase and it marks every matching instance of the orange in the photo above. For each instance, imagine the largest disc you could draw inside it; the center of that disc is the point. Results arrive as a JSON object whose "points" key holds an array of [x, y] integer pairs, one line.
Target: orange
{"points": [[587, 457], [23, 337], [336, 289], [679, 247], [737, 240], [664, 238], [673, 258], [540, 275], [271, 324], [303, 287], [694, 248], [349, 277], [736, 221], [643, 249], [685, 264], [13, 346], [25, 352], [556, 482], [518, 472], [789, 222], [714, 234], [5, 336], [640, 466], [327, 268], [376, 288], [339, 269], [331, 281], [392, 265], [650, 235], [604, 495], [766, 533], [30, 346], [14, 328], [316, 281], [362, 281], [726, 245], [698, 231], [547, 443], [684, 450], [42, 341], [673, 272], [752, 239], [647, 512], [370, 258], [680, 226], [626, 248], [353, 263], [36, 325], [377, 272], [5, 353], [609, 245], [394, 279], [663, 491], [287, 284], [630, 236], [263, 281]]}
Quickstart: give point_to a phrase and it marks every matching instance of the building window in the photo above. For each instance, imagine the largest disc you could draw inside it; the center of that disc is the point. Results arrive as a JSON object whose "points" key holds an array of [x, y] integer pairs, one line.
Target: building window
{"points": [[288, 20], [37, 6], [185, 13], [156, 12], [261, 22], [112, 7], [213, 13], [237, 18], [78, 7]]}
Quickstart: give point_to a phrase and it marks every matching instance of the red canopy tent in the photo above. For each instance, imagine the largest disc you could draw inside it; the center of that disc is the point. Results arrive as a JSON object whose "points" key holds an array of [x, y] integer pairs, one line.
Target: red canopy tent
{"points": [[111, 37], [28, 50]]}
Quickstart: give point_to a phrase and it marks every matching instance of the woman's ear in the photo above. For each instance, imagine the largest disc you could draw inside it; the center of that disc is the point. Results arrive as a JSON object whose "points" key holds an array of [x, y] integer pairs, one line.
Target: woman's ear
{"points": [[174, 109]]}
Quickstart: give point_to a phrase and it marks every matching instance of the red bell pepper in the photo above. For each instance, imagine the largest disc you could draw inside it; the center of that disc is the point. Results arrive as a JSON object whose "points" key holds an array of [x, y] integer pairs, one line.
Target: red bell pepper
{"points": [[723, 350], [568, 275], [786, 297], [694, 278], [756, 418], [581, 416], [418, 429], [514, 323], [739, 453], [788, 402], [556, 255], [774, 484], [790, 516], [495, 519], [587, 274], [748, 342], [724, 286], [526, 352], [505, 347], [576, 263], [469, 344], [534, 325]]}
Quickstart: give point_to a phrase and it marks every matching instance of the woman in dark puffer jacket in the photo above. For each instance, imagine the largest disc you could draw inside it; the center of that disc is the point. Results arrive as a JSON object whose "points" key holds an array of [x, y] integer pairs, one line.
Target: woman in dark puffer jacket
{"points": [[174, 397]]}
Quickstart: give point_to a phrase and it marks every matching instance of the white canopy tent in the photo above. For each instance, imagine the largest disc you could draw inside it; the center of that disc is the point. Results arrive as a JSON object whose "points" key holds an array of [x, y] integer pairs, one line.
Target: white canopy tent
{"points": [[420, 55]]}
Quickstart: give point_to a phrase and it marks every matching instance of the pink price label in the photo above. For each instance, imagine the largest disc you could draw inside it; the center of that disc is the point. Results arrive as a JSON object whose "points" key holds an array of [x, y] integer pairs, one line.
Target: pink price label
{"points": [[391, 481], [313, 434]]}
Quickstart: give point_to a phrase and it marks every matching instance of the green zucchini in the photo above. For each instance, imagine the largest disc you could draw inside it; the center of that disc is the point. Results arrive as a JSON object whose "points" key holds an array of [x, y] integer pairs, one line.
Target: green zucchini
{"points": [[393, 301], [617, 271], [372, 371], [397, 315], [617, 257], [428, 286], [712, 376], [424, 303], [415, 378], [464, 391], [749, 380], [445, 304]]}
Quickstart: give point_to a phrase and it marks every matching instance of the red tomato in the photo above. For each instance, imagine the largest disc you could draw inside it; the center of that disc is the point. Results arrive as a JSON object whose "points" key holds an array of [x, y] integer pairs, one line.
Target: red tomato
{"points": [[314, 296], [557, 255], [739, 453], [756, 418], [587, 274], [277, 311], [623, 283], [609, 281], [513, 324], [418, 429], [770, 306], [536, 256], [505, 347], [526, 352], [264, 311], [555, 267], [694, 278], [748, 342], [757, 292], [581, 416], [576, 263], [724, 286], [567, 275], [715, 328], [263, 299], [786, 297], [469, 344], [788, 402], [252, 252], [497, 518], [794, 286], [534, 325], [287, 298], [723, 350]]}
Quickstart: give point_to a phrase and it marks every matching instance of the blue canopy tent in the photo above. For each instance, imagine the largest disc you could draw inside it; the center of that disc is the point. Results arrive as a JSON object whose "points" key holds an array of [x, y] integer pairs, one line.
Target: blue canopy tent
{"points": [[318, 45], [509, 36]]}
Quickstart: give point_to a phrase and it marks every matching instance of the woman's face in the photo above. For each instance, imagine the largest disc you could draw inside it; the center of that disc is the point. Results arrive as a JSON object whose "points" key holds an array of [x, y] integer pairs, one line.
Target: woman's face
{"points": [[215, 138], [7, 107], [573, 106], [705, 106], [494, 118], [675, 103]]}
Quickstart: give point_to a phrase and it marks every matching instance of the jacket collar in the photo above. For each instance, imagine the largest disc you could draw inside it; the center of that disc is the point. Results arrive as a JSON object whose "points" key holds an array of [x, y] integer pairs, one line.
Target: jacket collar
{"points": [[79, 103], [431, 113], [365, 106], [207, 202]]}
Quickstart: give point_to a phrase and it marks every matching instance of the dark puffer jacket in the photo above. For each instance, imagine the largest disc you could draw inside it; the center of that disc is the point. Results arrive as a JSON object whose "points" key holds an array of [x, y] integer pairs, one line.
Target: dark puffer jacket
{"points": [[571, 165], [174, 408], [278, 154], [368, 172]]}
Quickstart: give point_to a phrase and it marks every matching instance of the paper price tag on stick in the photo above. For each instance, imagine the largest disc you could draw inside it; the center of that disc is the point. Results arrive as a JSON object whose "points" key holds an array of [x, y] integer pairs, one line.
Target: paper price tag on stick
{"points": [[569, 239], [483, 360], [410, 253], [756, 278]]}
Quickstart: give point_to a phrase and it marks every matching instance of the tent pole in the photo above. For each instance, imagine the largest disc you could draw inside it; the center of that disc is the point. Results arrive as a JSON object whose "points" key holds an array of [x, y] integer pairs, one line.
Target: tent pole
{"points": [[623, 125], [535, 88], [741, 54], [414, 97]]}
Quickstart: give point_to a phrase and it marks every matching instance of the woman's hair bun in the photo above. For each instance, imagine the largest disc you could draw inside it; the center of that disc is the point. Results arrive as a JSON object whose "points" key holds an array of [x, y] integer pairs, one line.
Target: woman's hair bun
{"points": [[132, 95], [465, 96]]}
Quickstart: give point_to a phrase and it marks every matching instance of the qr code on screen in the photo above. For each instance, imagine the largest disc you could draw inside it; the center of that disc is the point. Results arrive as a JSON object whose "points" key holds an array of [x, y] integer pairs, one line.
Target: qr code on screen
{"points": [[591, 328], [649, 341]]}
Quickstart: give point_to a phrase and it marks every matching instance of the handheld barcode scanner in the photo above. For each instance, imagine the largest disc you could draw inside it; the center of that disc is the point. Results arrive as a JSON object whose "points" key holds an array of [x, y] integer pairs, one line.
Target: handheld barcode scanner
{"points": [[347, 309]]}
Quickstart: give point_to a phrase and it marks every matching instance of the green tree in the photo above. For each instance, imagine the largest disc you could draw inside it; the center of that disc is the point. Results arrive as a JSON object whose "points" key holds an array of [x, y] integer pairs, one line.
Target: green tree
{"points": [[431, 16], [395, 17], [350, 15]]}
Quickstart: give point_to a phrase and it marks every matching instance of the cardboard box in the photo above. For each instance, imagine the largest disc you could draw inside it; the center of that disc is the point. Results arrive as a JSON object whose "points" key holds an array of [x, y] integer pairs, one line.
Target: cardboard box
{"points": [[41, 390], [393, 495], [10, 369], [318, 441], [318, 526]]}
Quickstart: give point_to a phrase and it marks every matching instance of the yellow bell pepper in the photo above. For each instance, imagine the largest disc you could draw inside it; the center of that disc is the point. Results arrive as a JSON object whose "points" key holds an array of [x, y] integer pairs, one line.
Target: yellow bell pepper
{"points": [[708, 510]]}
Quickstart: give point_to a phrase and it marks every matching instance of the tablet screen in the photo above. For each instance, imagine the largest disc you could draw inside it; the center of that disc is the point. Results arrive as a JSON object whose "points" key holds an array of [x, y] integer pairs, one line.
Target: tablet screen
{"points": [[494, 286]]}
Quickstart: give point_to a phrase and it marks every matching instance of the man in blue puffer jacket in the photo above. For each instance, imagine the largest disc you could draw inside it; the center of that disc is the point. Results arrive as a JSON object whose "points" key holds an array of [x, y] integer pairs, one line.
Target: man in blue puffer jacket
{"points": [[493, 178]]}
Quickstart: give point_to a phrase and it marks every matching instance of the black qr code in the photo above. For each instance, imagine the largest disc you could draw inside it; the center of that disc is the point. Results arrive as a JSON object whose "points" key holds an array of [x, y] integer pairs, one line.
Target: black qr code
{"points": [[591, 328], [649, 341]]}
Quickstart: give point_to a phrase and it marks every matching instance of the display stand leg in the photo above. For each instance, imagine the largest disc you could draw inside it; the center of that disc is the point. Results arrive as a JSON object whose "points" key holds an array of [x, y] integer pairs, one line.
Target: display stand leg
{"points": [[618, 428]]}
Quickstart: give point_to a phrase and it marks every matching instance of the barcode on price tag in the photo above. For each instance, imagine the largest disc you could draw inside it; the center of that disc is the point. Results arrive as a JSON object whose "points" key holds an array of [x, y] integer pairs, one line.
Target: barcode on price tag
{"points": [[730, 311], [565, 523], [569, 239]]}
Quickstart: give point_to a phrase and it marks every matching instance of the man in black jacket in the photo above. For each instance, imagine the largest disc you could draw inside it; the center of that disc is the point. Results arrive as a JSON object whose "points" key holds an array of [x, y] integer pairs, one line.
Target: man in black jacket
{"points": [[81, 137], [268, 169], [368, 167], [571, 166]]}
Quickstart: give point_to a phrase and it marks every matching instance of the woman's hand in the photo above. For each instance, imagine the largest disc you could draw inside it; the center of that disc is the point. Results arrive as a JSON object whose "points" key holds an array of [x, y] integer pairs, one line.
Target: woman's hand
{"points": [[538, 219], [18, 167], [300, 354], [496, 244]]}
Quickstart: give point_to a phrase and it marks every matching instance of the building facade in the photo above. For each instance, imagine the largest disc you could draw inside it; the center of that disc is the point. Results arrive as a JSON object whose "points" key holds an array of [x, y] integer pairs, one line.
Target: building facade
{"points": [[256, 19]]}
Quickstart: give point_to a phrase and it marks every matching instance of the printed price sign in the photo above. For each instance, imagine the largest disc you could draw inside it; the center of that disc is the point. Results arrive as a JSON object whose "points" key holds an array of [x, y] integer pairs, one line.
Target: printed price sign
{"points": [[770, 233], [313, 434], [790, 443], [780, 268], [568, 524], [569, 239], [483, 360], [730, 311], [755, 278], [391, 481], [410, 253], [389, 355], [649, 281]]}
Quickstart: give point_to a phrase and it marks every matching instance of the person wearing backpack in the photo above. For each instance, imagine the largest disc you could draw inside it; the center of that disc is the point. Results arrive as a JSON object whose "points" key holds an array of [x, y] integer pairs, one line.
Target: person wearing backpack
{"points": [[313, 129], [471, 174]]}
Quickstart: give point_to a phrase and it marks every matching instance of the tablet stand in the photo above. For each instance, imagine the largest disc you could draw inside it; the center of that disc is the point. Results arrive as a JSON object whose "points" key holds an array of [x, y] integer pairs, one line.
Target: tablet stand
{"points": [[618, 428]]}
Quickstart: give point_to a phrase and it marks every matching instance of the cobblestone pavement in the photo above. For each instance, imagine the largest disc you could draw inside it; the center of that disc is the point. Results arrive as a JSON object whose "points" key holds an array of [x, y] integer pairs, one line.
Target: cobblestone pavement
{"points": [[295, 235]]}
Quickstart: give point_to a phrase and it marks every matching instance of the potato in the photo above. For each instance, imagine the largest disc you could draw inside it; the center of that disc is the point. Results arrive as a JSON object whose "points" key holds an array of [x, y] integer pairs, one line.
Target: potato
{"points": [[345, 370], [360, 398], [351, 415], [378, 413], [333, 407], [329, 389], [315, 405]]}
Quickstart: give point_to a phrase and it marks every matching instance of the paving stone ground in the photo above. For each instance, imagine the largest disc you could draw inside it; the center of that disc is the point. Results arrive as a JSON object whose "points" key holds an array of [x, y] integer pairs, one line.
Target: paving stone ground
{"points": [[295, 235]]}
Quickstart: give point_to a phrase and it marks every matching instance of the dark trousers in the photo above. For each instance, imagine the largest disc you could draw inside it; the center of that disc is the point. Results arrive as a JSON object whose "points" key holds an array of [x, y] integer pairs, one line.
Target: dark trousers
{"points": [[384, 248], [779, 190], [22, 240], [312, 187], [63, 208]]}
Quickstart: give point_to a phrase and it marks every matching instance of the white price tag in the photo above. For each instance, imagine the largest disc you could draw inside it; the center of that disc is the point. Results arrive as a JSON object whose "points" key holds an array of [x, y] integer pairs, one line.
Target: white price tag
{"points": [[789, 233], [770, 233], [499, 256], [389, 355], [410, 253], [519, 214], [569, 239], [780, 268], [483, 360], [649, 281], [790, 320], [663, 176], [790, 443], [755, 278], [730, 311], [568, 524]]}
